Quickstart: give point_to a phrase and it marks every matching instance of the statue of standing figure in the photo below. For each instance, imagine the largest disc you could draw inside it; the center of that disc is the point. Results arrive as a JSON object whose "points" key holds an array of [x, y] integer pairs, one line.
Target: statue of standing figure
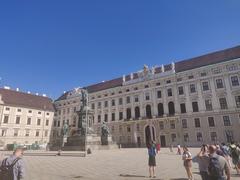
{"points": [[104, 133], [65, 129]]}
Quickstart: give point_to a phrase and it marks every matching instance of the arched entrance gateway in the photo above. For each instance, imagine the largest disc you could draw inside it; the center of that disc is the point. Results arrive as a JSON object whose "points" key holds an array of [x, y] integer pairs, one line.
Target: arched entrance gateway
{"points": [[149, 134]]}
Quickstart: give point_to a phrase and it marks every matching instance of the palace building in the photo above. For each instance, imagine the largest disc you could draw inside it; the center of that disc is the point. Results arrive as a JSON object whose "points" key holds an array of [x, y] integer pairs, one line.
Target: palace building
{"points": [[188, 102], [26, 119]]}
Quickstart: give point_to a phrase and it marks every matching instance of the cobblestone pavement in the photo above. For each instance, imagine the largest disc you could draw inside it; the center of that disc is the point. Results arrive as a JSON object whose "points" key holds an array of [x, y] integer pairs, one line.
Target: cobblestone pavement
{"points": [[124, 164]]}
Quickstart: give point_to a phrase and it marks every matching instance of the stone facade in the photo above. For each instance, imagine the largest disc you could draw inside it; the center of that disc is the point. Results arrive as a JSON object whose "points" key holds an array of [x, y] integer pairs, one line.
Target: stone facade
{"points": [[169, 104], [22, 124]]}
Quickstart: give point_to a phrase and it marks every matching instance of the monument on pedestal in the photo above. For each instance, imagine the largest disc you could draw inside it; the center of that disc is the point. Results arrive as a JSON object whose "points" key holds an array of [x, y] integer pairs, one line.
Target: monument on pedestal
{"points": [[85, 137]]}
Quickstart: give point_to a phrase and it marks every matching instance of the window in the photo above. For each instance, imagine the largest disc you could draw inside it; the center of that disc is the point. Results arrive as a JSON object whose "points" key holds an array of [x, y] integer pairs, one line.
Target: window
{"points": [[137, 112], [106, 104], [29, 121], [99, 118], [146, 86], [128, 129], [171, 108], [120, 101], [160, 110], [190, 77], [169, 92], [179, 79], [237, 99], [223, 103], [93, 106], [27, 132], [184, 123], [55, 123], [192, 88], [226, 121], [234, 80], [113, 116], [180, 90], [47, 114], [168, 81], [147, 96], [19, 110], [195, 106], [29, 111], [5, 120], [37, 133], [120, 115], [138, 127], [185, 137], [172, 124], [128, 100], [208, 104], [38, 122], [173, 137], [211, 122], [47, 122], [161, 125], [219, 83], [205, 86], [59, 123], [18, 120], [113, 102], [4, 132], [46, 133], [127, 90], [39, 112], [99, 104], [229, 136], [15, 132], [148, 111], [203, 74], [159, 94], [129, 115], [106, 117], [197, 122], [183, 108], [136, 99], [7, 109], [158, 84], [213, 136], [136, 88], [199, 137]]}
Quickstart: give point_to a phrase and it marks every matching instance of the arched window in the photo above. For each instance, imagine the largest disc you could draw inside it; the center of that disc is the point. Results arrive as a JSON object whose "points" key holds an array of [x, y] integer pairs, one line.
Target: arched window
{"points": [[148, 111], [129, 115], [137, 112], [160, 109], [171, 108]]}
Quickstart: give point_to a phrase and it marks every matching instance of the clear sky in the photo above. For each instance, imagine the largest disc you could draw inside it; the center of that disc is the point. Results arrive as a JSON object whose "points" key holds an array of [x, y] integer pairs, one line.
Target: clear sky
{"points": [[49, 46]]}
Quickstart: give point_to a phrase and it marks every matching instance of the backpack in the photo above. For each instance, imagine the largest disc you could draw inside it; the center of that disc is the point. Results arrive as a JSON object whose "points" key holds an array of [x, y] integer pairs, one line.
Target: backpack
{"points": [[214, 168], [152, 151], [6, 171]]}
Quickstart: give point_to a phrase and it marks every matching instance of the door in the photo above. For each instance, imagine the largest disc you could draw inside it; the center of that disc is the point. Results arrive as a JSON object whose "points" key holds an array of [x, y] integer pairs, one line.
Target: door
{"points": [[148, 135], [139, 141], [163, 141]]}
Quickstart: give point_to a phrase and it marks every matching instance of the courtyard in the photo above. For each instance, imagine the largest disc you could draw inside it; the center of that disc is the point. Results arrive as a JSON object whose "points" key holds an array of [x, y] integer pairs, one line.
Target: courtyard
{"points": [[118, 164]]}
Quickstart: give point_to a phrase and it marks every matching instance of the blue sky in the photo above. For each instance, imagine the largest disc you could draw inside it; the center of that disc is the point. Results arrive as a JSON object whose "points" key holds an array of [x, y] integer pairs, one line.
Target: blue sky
{"points": [[50, 46]]}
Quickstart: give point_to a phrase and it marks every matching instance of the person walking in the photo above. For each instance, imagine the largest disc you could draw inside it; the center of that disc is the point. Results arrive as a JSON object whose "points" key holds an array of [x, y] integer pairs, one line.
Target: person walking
{"points": [[12, 167], [179, 149], [151, 159], [187, 162], [235, 154], [218, 168], [202, 159]]}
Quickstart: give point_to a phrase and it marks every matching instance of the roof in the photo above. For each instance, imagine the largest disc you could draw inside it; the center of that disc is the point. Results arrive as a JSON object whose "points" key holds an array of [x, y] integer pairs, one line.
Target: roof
{"points": [[21, 99], [105, 85], [180, 66], [208, 59]]}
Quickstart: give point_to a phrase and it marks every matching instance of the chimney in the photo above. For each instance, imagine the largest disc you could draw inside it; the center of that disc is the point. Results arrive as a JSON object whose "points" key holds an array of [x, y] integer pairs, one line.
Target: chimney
{"points": [[29, 92], [131, 75], [36, 94], [44, 95], [124, 79], [17, 89]]}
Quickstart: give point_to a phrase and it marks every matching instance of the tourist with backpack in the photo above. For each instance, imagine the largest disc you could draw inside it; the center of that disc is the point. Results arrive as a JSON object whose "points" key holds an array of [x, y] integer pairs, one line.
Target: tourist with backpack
{"points": [[187, 162], [218, 168], [235, 154], [202, 159], [151, 159], [12, 168]]}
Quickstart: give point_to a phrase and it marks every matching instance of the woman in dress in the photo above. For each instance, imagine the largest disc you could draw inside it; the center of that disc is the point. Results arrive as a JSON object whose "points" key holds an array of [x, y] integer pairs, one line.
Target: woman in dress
{"points": [[187, 162], [151, 159]]}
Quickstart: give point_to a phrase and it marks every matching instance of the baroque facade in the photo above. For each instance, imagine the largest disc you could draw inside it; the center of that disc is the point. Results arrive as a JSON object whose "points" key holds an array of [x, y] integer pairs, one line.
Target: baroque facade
{"points": [[25, 119], [189, 102]]}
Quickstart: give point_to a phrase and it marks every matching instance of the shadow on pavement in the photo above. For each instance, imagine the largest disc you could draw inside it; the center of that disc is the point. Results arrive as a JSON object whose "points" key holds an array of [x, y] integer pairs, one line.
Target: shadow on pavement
{"points": [[138, 176], [179, 179]]}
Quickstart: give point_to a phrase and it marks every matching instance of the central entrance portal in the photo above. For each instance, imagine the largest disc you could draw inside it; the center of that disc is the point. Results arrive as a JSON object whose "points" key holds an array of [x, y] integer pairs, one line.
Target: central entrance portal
{"points": [[149, 134]]}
